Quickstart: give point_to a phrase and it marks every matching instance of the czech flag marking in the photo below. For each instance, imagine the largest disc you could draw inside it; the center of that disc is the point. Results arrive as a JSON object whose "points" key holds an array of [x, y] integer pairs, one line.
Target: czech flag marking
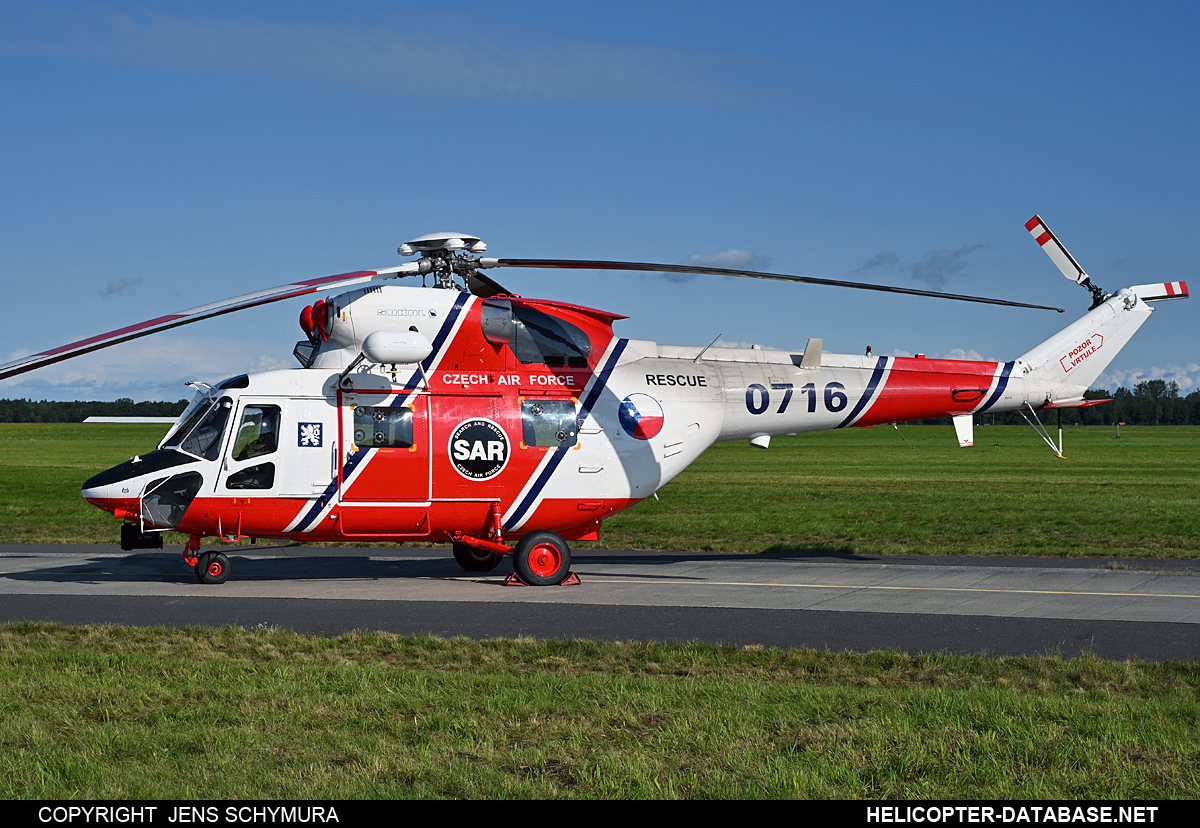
{"points": [[641, 416]]}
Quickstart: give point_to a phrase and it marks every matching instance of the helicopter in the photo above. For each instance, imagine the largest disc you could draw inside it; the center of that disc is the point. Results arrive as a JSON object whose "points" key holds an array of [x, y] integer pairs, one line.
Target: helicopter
{"points": [[461, 412]]}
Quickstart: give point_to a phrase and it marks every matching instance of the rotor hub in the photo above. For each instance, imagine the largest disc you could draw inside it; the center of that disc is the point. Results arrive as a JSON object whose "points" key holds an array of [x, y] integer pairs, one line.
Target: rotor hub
{"points": [[445, 255]]}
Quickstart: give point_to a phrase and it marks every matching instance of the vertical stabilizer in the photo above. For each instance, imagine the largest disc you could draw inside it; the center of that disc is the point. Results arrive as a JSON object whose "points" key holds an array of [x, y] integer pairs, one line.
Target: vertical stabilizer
{"points": [[1072, 359]]}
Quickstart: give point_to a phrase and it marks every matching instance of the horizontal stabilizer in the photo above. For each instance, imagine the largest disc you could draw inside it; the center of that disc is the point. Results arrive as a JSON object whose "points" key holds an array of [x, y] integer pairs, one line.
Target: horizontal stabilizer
{"points": [[1074, 403], [1161, 292]]}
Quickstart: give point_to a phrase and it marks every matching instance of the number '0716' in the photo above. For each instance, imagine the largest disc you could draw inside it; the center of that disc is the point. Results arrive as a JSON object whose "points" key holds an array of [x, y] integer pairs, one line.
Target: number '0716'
{"points": [[758, 397]]}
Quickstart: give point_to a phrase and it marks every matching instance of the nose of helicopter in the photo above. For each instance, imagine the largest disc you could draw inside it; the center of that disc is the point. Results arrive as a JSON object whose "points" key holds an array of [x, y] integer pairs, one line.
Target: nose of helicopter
{"points": [[106, 498], [118, 490]]}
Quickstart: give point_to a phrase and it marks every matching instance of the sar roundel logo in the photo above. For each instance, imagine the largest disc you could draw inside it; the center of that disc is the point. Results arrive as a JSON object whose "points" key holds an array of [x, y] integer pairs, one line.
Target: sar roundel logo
{"points": [[479, 449], [641, 416]]}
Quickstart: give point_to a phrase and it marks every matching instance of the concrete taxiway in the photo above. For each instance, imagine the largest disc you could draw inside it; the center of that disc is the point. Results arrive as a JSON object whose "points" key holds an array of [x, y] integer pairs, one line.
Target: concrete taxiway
{"points": [[1004, 606]]}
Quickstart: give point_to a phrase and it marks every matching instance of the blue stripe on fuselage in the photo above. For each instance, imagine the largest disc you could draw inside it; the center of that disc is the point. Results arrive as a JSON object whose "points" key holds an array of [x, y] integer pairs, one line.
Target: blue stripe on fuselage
{"points": [[876, 375], [532, 496], [358, 456], [1000, 386]]}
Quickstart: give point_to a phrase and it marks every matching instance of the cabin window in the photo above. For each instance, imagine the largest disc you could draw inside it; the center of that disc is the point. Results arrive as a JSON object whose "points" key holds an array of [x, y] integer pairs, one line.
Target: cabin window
{"points": [[261, 476], [535, 336], [548, 422], [383, 427], [258, 433]]}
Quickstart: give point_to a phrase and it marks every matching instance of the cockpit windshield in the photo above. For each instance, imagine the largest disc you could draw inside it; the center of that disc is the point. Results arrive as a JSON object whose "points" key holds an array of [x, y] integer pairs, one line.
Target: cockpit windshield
{"points": [[200, 435], [187, 420]]}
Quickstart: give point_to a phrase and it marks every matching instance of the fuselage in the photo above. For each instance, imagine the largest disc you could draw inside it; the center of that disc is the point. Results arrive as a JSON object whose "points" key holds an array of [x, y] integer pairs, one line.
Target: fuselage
{"points": [[527, 413]]}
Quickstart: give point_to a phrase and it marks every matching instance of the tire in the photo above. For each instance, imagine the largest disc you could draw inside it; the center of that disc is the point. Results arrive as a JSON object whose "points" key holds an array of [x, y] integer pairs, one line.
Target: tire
{"points": [[212, 568], [474, 559], [542, 559]]}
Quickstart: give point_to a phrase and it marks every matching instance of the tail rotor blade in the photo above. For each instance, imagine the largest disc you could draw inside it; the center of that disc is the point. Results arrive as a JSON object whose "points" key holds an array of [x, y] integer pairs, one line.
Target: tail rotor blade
{"points": [[1058, 254]]}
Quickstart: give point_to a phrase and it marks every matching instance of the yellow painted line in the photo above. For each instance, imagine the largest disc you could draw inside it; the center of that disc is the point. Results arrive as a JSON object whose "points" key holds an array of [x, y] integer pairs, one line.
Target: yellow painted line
{"points": [[603, 579]]}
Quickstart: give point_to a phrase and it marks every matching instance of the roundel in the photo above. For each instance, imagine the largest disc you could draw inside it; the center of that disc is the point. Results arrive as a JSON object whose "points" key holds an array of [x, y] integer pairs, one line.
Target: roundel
{"points": [[478, 449], [641, 416]]}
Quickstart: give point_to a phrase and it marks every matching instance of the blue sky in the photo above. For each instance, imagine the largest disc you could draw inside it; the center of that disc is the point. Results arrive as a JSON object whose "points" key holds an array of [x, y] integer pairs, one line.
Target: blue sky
{"points": [[160, 156]]}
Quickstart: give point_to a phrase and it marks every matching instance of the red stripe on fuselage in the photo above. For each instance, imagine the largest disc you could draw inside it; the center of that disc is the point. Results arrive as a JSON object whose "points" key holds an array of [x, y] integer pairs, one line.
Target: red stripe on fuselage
{"points": [[473, 379], [921, 388]]}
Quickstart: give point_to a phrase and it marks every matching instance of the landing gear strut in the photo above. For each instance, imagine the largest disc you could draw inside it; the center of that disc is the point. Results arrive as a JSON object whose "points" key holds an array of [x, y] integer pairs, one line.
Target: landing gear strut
{"points": [[473, 559]]}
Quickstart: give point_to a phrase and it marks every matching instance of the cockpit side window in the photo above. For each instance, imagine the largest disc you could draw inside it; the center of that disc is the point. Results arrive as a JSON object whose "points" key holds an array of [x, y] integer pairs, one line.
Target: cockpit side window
{"points": [[205, 439], [258, 432]]}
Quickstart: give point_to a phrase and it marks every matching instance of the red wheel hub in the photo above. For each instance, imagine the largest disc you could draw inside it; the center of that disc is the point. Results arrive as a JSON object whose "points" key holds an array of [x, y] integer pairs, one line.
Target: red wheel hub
{"points": [[214, 568], [545, 560]]}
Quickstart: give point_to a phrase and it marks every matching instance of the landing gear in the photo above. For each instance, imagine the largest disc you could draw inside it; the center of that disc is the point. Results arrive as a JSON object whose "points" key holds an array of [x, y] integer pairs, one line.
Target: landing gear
{"points": [[212, 568], [473, 559], [542, 559]]}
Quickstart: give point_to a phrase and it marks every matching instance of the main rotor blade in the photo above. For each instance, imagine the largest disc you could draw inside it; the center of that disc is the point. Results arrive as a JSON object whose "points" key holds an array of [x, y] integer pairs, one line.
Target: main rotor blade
{"points": [[174, 320], [580, 264], [483, 287]]}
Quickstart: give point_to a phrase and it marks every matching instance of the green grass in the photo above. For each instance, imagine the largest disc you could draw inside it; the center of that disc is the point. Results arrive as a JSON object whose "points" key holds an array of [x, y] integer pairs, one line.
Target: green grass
{"points": [[115, 713], [867, 491], [43, 467], [858, 490]]}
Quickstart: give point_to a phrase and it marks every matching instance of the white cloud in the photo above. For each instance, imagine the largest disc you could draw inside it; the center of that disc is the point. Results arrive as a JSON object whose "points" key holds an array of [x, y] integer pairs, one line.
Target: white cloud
{"points": [[116, 287], [147, 369], [959, 353], [723, 343], [440, 55], [1188, 377], [731, 259], [883, 261], [937, 266]]}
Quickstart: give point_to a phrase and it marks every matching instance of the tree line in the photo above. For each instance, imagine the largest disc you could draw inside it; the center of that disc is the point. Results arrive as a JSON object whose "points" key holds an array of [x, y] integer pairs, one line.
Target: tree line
{"points": [[48, 411], [1153, 402]]}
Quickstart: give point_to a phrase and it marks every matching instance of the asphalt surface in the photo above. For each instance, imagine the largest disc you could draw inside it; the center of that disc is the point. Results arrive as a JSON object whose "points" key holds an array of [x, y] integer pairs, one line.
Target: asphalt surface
{"points": [[1003, 606]]}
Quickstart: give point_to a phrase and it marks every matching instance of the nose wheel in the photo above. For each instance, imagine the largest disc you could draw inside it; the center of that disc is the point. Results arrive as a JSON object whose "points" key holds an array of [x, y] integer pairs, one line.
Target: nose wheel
{"points": [[212, 568], [473, 559]]}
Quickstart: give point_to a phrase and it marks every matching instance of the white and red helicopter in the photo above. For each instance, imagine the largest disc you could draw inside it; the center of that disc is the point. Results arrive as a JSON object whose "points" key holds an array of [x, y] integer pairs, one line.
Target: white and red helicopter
{"points": [[463, 413]]}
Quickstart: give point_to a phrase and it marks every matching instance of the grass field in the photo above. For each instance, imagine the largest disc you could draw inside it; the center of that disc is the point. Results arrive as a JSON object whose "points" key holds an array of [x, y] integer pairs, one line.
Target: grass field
{"points": [[130, 713], [859, 490], [114, 713]]}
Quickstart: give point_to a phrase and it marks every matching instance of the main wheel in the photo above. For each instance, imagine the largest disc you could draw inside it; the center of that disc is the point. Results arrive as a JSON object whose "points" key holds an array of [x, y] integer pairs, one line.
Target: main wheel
{"points": [[542, 559], [474, 559], [212, 568]]}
